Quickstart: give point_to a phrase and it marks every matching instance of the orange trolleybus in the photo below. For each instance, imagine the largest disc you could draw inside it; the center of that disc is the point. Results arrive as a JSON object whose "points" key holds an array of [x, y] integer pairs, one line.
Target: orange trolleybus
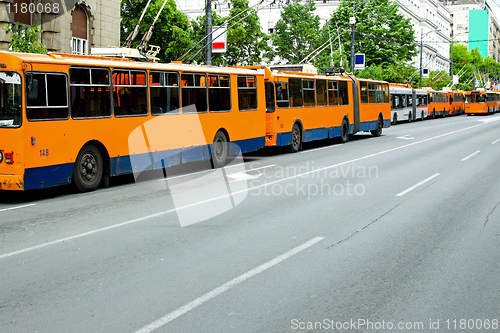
{"points": [[304, 107], [66, 118], [456, 100], [479, 102], [439, 104]]}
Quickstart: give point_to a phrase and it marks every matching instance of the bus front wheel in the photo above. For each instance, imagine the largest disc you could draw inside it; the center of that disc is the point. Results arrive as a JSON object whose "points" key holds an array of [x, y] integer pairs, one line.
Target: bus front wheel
{"points": [[296, 141], [88, 169], [220, 150]]}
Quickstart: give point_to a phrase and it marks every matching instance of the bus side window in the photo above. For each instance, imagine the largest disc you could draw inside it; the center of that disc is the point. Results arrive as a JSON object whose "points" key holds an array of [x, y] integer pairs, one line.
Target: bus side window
{"points": [[90, 92], [333, 92], [296, 97], [321, 93], [247, 92], [378, 94], [130, 93], [282, 99], [343, 93], [309, 92], [219, 92], [51, 101], [372, 87], [386, 92], [194, 91], [164, 92], [364, 91]]}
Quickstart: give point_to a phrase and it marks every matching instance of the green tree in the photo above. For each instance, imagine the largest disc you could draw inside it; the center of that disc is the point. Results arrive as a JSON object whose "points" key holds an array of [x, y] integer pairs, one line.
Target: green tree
{"points": [[246, 43], [382, 34], [198, 26], [397, 73], [463, 61], [25, 39], [295, 34], [172, 32], [437, 80]]}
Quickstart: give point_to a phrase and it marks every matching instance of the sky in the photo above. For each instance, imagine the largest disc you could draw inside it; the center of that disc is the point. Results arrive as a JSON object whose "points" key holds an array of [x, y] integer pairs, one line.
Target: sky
{"points": [[495, 6]]}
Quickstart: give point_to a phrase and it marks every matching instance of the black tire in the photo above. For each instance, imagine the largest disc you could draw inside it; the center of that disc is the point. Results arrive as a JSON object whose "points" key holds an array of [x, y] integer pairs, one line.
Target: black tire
{"points": [[395, 119], [344, 132], [296, 140], [220, 150], [380, 125], [88, 169], [422, 116]]}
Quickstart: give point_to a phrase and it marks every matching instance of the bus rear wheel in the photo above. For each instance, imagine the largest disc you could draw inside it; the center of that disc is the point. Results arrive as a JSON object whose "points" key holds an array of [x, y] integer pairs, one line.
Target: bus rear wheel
{"points": [[88, 169], [296, 140], [380, 125], [344, 132]]}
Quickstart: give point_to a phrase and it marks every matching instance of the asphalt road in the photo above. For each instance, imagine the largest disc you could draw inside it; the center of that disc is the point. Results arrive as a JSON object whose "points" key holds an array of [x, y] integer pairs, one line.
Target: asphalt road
{"points": [[396, 233]]}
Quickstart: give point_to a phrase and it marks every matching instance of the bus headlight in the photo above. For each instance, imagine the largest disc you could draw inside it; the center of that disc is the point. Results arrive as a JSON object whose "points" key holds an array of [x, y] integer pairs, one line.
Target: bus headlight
{"points": [[1, 157]]}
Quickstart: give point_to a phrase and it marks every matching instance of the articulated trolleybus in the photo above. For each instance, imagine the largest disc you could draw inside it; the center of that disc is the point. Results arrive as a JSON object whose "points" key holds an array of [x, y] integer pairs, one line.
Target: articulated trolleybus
{"points": [[304, 107], [407, 103], [66, 118]]}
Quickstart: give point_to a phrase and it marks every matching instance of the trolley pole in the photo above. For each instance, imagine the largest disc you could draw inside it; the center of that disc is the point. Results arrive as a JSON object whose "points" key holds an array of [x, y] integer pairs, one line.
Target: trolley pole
{"points": [[208, 32]]}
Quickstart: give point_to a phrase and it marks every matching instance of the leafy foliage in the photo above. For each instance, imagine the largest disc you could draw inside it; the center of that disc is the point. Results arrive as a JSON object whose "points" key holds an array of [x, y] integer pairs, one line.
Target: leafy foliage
{"points": [[25, 39], [470, 66], [295, 35], [382, 34], [246, 43], [172, 31]]}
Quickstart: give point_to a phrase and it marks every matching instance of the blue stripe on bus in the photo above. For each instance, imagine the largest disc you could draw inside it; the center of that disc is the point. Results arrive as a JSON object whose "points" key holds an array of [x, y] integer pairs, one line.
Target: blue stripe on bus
{"points": [[315, 134], [285, 138], [49, 176]]}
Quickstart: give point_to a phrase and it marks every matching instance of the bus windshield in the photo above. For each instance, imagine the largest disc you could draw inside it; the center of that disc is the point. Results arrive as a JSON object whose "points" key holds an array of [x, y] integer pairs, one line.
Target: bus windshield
{"points": [[10, 99]]}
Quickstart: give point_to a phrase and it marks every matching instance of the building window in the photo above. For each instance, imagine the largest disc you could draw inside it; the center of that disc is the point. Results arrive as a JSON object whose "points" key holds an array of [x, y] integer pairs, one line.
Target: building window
{"points": [[79, 28], [78, 46]]}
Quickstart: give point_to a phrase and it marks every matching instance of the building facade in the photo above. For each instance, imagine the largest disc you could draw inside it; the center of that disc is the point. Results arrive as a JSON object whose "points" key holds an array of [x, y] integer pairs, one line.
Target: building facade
{"points": [[427, 17], [68, 27], [475, 25]]}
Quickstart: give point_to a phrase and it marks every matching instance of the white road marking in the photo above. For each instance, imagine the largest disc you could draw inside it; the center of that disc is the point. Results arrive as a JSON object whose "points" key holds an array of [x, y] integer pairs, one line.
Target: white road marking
{"points": [[400, 194], [18, 207], [225, 287], [405, 137], [495, 141], [210, 170], [471, 155], [233, 193], [317, 149], [240, 176]]}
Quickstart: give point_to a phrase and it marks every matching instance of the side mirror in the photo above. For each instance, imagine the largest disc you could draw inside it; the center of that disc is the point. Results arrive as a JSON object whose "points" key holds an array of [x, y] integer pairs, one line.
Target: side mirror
{"points": [[33, 89]]}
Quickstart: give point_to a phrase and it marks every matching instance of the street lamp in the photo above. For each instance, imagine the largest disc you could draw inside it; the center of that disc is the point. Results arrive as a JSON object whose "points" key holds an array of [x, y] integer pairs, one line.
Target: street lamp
{"points": [[352, 22], [422, 35]]}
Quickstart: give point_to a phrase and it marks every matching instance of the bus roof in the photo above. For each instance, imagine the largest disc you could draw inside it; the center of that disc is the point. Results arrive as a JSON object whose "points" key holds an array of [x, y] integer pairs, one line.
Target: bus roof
{"points": [[79, 60]]}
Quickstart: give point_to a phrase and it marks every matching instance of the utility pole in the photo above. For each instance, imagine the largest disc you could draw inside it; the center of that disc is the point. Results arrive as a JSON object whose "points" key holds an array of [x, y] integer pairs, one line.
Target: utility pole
{"points": [[208, 32]]}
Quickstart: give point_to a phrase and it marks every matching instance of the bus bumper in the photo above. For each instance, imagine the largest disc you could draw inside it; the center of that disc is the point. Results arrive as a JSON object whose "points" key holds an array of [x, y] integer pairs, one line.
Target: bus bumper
{"points": [[12, 182]]}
